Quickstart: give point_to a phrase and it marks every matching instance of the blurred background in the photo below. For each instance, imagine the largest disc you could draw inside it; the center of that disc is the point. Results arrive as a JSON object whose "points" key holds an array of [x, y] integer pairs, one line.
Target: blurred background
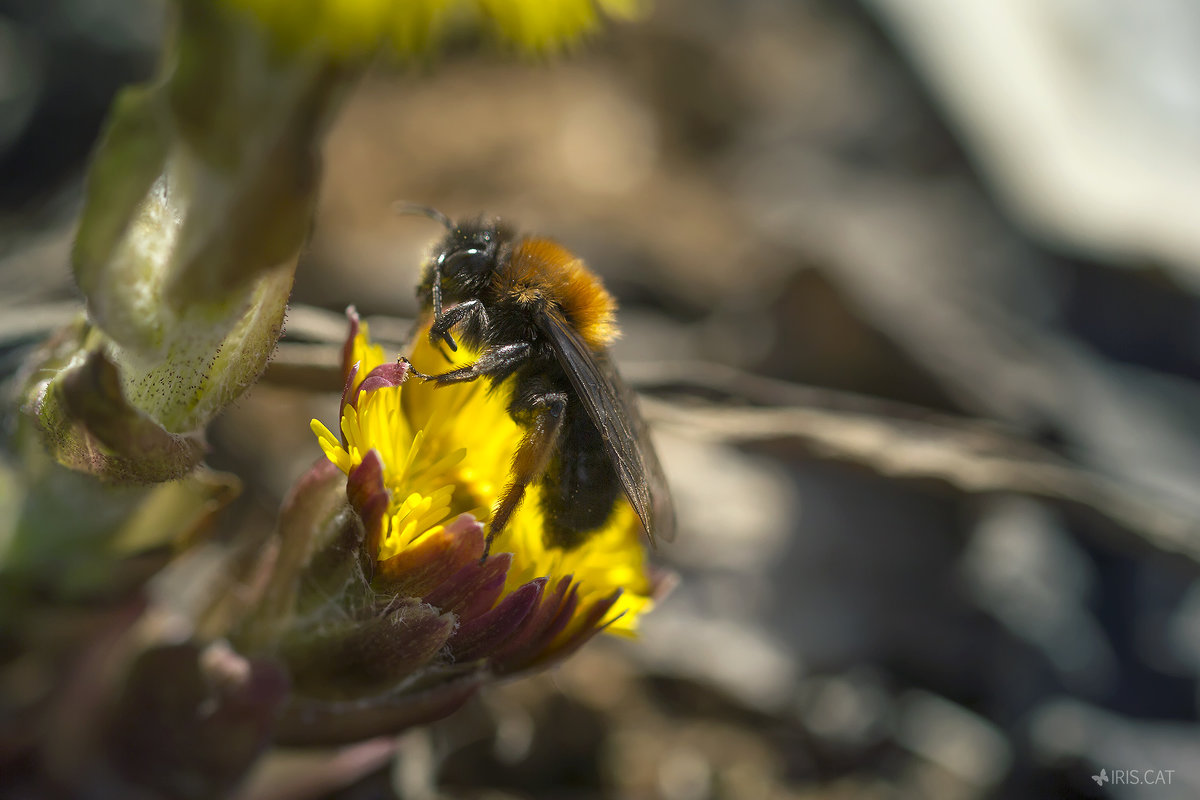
{"points": [[911, 290]]}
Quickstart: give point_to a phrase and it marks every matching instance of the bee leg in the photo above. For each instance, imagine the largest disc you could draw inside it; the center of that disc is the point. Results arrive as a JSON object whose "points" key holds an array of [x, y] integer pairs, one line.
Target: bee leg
{"points": [[495, 362], [473, 310], [543, 415]]}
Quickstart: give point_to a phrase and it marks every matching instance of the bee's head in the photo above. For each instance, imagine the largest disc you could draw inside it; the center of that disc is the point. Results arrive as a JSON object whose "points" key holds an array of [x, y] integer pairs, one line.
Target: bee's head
{"points": [[463, 261], [467, 256]]}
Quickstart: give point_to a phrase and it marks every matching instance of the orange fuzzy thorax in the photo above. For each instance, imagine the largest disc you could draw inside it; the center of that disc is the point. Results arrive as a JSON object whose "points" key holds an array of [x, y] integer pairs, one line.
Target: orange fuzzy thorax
{"points": [[543, 271]]}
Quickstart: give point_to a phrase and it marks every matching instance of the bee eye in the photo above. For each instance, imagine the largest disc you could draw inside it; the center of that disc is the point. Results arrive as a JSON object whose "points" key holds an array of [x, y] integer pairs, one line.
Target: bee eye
{"points": [[468, 262]]}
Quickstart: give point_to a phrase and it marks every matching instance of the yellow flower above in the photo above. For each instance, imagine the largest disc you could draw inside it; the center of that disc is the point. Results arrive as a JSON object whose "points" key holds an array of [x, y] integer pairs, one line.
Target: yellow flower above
{"points": [[447, 451], [356, 28]]}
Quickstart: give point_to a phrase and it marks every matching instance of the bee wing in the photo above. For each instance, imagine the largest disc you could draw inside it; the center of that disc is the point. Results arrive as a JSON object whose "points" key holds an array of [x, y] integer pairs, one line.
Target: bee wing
{"points": [[613, 407]]}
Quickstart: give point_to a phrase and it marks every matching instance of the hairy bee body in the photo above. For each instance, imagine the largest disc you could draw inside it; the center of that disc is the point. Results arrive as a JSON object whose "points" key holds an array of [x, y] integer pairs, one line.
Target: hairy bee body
{"points": [[539, 318]]}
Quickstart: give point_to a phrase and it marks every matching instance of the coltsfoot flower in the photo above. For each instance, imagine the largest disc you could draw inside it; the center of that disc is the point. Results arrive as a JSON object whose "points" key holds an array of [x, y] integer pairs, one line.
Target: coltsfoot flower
{"points": [[394, 617], [439, 452], [356, 28]]}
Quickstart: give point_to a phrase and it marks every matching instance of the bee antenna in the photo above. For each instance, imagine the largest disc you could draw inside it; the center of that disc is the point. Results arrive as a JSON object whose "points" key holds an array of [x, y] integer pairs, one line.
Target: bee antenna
{"points": [[424, 211]]}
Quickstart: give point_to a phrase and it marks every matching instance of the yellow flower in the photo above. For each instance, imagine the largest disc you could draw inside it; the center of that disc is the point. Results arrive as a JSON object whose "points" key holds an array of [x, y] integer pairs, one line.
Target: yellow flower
{"points": [[441, 452], [356, 28]]}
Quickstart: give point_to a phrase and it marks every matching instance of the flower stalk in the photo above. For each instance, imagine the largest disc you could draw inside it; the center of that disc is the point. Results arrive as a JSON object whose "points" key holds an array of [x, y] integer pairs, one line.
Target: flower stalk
{"points": [[198, 201]]}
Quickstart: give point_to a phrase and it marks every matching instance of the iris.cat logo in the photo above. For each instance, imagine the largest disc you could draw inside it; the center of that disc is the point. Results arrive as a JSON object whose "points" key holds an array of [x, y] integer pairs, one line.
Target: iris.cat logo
{"points": [[1134, 777]]}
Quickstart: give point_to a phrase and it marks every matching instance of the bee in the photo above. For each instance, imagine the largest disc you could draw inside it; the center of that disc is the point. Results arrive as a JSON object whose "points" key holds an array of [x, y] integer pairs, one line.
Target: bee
{"points": [[536, 315]]}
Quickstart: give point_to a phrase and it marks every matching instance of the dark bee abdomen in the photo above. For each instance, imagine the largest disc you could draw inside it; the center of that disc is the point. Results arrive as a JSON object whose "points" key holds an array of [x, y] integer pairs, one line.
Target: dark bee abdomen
{"points": [[580, 487]]}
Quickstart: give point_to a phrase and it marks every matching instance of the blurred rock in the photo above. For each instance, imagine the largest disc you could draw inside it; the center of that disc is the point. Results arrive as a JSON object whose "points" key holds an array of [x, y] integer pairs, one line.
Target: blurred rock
{"points": [[1089, 130], [954, 738], [1022, 568], [1065, 729]]}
